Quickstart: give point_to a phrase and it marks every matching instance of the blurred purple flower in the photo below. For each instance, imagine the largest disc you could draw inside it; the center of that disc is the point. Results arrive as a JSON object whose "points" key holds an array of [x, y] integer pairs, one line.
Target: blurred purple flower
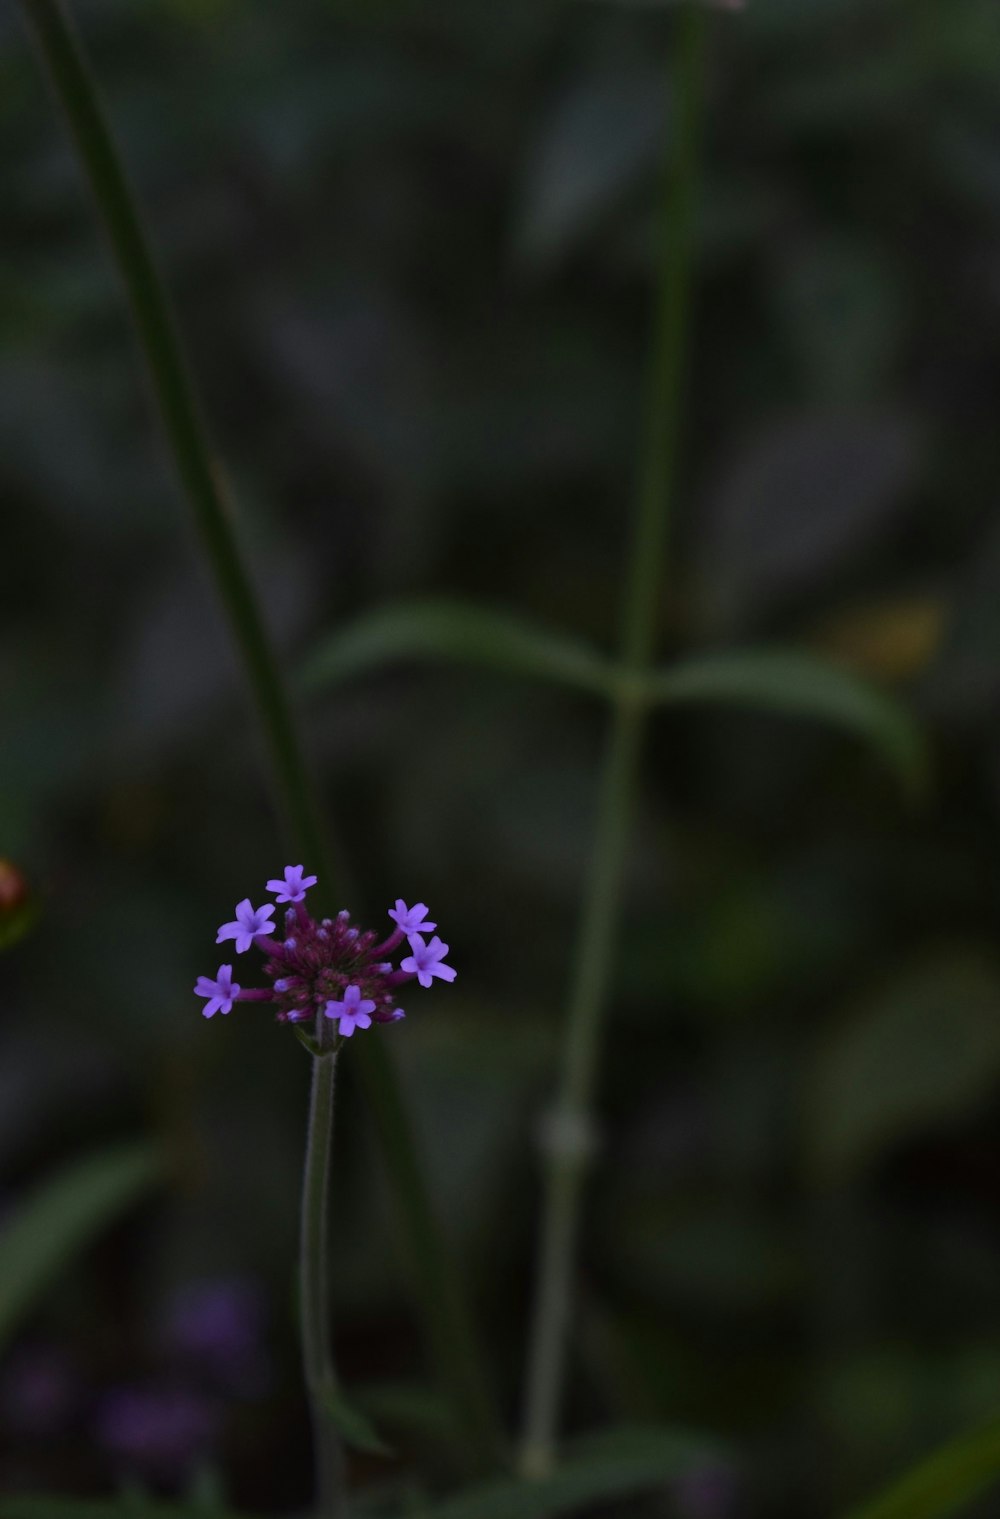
{"points": [[216, 1327], [39, 1391], [155, 1430]]}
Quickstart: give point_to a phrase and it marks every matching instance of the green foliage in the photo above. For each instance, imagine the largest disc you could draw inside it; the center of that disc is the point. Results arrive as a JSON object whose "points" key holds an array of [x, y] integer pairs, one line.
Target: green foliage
{"points": [[353, 1426], [609, 1467], [411, 249], [922, 1050], [801, 685], [457, 633], [776, 680], [944, 1483], [60, 1217], [16, 924]]}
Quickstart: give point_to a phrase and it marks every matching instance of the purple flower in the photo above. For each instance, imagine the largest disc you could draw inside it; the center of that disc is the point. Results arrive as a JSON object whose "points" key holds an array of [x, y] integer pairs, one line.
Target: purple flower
{"points": [[216, 1327], [158, 1431], [354, 1012], [295, 885], [426, 960], [222, 992], [330, 966], [410, 920], [250, 923]]}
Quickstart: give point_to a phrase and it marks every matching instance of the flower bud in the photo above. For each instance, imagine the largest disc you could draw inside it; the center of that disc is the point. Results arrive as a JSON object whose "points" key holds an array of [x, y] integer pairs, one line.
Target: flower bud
{"points": [[13, 889]]}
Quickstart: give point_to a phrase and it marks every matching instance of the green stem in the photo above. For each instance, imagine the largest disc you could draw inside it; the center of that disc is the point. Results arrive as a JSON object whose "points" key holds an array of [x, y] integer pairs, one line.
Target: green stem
{"points": [[314, 1298], [448, 1326], [569, 1140]]}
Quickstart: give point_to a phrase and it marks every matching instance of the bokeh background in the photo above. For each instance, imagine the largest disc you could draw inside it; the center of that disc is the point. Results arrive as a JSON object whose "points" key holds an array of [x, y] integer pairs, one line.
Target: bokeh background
{"points": [[411, 249]]}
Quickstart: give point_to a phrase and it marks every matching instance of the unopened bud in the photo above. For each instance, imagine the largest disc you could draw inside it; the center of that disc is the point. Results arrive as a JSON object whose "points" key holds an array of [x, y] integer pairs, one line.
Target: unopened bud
{"points": [[13, 888]]}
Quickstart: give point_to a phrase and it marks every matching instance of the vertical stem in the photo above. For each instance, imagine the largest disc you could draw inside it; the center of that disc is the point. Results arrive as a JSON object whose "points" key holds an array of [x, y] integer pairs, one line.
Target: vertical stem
{"points": [[448, 1326], [174, 395], [568, 1147], [314, 1298]]}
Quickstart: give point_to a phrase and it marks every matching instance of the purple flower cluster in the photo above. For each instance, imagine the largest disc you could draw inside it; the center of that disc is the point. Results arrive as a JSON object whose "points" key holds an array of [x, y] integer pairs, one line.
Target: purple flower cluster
{"points": [[329, 967]]}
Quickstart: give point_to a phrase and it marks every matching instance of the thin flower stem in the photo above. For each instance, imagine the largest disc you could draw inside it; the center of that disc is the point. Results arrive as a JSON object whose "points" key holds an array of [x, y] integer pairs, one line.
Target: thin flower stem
{"points": [[314, 1292], [568, 1146], [448, 1325]]}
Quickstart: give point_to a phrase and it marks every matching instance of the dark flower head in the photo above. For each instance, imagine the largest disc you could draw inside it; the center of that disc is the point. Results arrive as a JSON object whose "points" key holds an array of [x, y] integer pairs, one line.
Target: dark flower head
{"points": [[331, 966]]}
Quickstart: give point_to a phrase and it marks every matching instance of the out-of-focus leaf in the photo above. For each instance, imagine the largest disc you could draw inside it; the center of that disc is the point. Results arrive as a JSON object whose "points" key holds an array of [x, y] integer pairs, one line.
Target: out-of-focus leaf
{"points": [[943, 1483], [605, 132], [801, 498], [354, 1427], [614, 1465], [458, 633], [924, 1050], [413, 1407], [779, 680], [60, 1218], [878, 1401], [842, 310], [206, 1491], [965, 679]]}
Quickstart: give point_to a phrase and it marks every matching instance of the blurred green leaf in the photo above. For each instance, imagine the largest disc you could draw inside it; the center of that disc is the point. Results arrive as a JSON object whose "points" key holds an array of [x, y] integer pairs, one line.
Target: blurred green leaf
{"points": [[206, 1491], [460, 633], [59, 1219], [603, 133], [354, 1427], [924, 1049], [771, 679], [939, 1486], [16, 924], [411, 1406], [801, 685], [842, 309], [615, 1464], [802, 497]]}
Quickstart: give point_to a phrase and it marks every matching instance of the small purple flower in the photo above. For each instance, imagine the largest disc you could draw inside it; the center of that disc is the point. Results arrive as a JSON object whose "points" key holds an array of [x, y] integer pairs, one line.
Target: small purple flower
{"points": [[411, 920], [329, 967], [250, 923], [426, 960], [295, 885], [354, 1012], [222, 992]]}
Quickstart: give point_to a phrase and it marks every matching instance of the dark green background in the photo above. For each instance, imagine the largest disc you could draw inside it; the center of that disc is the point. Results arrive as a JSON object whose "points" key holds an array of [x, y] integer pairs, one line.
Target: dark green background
{"points": [[411, 250]]}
